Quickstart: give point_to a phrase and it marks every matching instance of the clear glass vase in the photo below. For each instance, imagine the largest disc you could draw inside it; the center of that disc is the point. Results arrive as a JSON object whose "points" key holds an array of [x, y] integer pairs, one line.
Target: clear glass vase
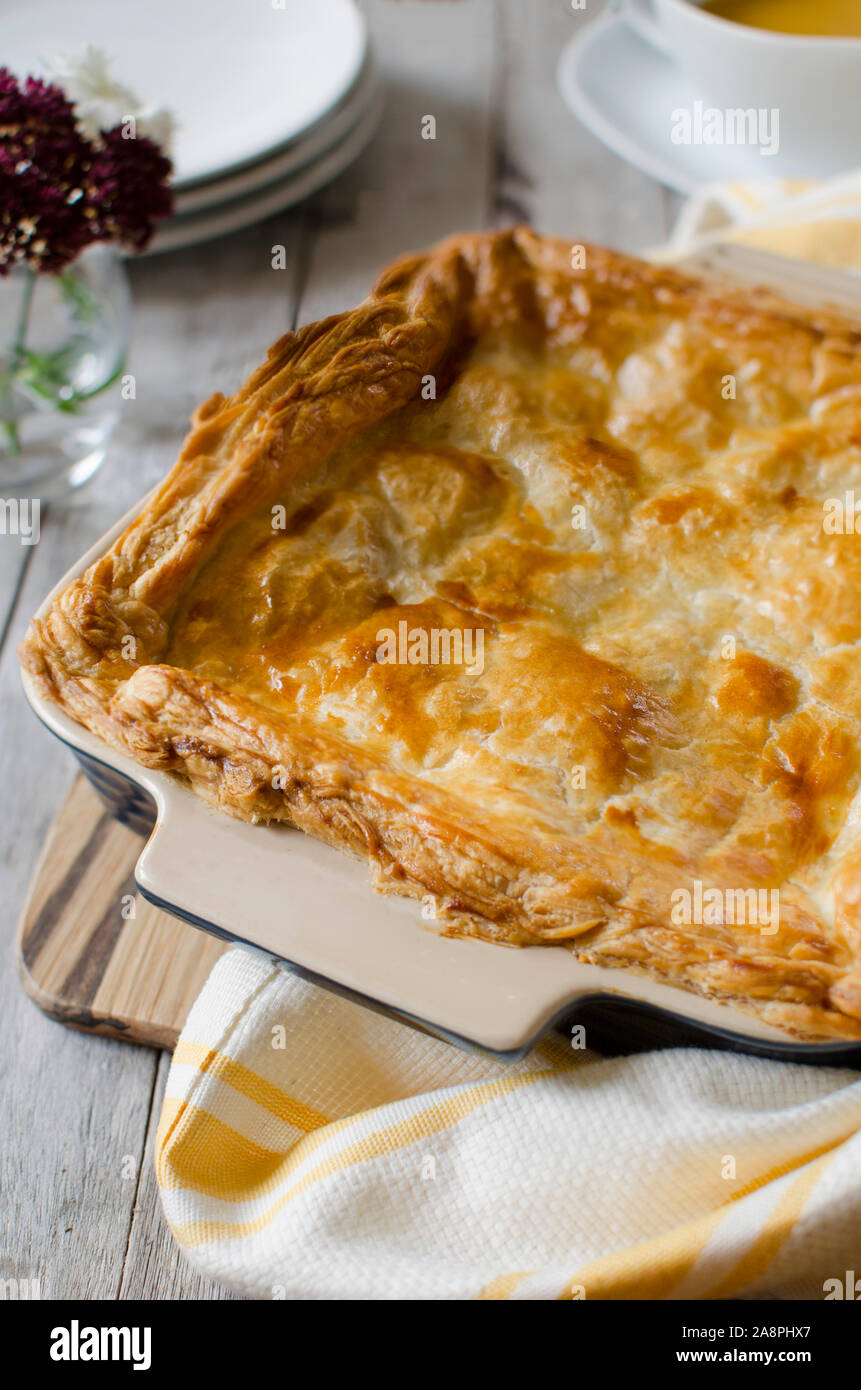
{"points": [[63, 342]]}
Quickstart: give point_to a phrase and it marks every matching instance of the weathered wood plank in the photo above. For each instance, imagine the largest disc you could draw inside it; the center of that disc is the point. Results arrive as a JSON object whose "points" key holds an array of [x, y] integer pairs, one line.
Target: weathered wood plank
{"points": [[74, 1108], [550, 171], [15, 558], [154, 1267], [439, 61]]}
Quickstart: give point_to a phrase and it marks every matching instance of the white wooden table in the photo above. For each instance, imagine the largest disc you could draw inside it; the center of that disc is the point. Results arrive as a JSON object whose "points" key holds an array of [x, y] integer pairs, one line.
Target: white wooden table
{"points": [[79, 1201]]}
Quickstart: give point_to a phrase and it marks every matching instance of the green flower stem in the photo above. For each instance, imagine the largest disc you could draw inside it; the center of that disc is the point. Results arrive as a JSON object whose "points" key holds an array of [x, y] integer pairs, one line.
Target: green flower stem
{"points": [[10, 427], [23, 319]]}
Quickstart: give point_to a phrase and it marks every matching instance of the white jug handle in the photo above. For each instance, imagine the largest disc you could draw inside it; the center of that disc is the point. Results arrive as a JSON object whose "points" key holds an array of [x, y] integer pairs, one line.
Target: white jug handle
{"points": [[641, 16]]}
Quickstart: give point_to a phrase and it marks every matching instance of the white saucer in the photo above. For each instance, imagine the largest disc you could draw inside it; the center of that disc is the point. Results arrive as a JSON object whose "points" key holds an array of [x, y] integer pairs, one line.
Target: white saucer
{"points": [[241, 77], [243, 212], [625, 91]]}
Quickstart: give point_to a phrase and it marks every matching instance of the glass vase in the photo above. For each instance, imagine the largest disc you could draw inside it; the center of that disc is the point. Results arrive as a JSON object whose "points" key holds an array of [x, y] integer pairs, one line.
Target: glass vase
{"points": [[63, 342]]}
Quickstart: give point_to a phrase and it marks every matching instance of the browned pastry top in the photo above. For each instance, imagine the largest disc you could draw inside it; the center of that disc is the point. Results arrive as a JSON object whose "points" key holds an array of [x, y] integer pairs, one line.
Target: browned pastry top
{"points": [[602, 494]]}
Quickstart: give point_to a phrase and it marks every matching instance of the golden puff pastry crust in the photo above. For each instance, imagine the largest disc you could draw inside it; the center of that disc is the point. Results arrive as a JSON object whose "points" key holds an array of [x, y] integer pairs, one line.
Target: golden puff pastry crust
{"points": [[522, 581]]}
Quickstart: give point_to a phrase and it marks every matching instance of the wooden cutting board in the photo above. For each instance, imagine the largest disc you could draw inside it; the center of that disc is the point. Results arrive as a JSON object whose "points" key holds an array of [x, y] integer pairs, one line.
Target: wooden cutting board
{"points": [[91, 952]]}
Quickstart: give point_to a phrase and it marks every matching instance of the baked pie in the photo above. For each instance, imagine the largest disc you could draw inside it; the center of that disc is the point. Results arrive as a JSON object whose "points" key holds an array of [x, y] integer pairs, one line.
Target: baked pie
{"points": [[532, 580]]}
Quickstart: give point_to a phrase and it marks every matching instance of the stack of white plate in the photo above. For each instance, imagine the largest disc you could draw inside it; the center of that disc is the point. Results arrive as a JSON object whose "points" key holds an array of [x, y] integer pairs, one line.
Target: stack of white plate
{"points": [[271, 99]]}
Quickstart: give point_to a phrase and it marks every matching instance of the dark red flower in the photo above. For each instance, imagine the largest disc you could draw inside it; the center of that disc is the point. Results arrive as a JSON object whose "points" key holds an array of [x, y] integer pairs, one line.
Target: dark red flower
{"points": [[128, 188], [44, 161], [60, 191]]}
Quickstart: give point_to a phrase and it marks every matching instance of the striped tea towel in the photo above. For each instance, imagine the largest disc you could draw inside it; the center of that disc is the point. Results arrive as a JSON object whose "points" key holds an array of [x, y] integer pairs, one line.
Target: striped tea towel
{"points": [[310, 1149], [807, 220]]}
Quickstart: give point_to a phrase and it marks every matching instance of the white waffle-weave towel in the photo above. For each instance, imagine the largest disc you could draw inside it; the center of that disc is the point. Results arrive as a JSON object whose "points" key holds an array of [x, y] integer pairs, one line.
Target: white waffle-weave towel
{"points": [[310, 1148]]}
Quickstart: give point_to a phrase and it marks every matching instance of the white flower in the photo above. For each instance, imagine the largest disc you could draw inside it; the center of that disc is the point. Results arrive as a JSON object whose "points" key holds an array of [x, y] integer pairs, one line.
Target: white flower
{"points": [[101, 103]]}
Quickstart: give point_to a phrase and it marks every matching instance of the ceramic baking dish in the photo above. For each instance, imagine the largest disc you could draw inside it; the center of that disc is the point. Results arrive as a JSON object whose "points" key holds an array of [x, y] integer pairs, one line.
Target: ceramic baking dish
{"points": [[313, 907]]}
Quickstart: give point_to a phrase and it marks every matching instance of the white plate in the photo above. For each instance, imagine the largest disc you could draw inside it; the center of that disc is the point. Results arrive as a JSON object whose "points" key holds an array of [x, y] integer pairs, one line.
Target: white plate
{"points": [[625, 91], [243, 212], [240, 76], [299, 155]]}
